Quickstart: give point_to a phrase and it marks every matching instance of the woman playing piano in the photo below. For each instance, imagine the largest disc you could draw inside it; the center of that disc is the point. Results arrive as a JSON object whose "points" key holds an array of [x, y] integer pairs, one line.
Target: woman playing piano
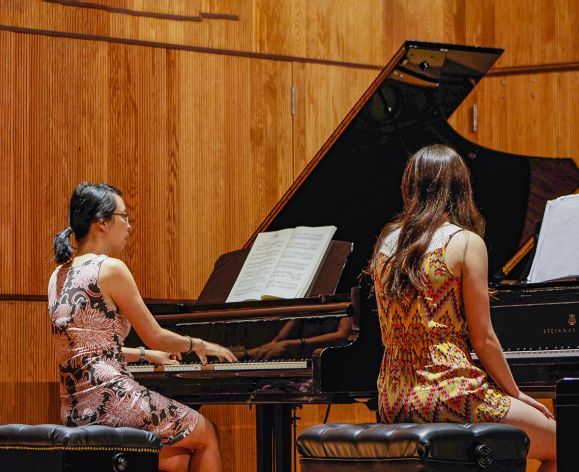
{"points": [[93, 302], [430, 276]]}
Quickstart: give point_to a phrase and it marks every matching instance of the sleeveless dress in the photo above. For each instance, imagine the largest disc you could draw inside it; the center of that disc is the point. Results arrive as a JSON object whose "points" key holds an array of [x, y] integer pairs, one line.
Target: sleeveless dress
{"points": [[427, 373], [95, 385]]}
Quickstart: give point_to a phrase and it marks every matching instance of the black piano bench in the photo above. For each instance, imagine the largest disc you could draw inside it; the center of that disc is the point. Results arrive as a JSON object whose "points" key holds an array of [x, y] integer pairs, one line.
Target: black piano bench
{"points": [[55, 448], [405, 447]]}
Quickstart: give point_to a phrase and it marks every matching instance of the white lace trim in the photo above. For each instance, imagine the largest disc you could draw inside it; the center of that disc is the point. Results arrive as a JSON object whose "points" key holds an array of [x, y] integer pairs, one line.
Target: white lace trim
{"points": [[440, 239]]}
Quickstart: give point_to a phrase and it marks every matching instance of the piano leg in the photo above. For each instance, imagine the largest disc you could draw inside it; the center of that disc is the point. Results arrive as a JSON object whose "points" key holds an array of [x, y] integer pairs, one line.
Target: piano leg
{"points": [[264, 440], [282, 437], [274, 442]]}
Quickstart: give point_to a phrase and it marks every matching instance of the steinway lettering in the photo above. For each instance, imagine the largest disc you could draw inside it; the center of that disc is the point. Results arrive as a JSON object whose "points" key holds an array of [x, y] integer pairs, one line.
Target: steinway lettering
{"points": [[558, 330]]}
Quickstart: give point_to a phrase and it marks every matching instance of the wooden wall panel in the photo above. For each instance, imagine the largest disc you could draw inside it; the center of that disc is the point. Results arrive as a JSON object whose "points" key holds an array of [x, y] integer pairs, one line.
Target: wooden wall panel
{"points": [[236, 430], [342, 30], [208, 33], [532, 32], [28, 369], [200, 145], [532, 114]]}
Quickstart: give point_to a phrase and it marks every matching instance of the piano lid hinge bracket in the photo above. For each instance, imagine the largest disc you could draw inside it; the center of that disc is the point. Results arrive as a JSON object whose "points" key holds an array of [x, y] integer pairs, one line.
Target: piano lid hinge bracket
{"points": [[474, 110], [293, 99]]}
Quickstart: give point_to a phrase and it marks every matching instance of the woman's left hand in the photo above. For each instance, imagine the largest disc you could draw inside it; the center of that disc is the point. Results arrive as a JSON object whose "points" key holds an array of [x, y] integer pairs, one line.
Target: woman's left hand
{"points": [[535, 404], [163, 358]]}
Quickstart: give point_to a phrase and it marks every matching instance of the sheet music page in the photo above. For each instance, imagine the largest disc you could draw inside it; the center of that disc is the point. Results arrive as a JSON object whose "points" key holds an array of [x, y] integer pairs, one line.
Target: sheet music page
{"points": [[557, 254], [299, 262], [258, 267]]}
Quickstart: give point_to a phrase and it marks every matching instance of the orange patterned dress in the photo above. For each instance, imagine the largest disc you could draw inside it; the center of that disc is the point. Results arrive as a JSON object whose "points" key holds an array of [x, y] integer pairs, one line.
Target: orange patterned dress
{"points": [[427, 373]]}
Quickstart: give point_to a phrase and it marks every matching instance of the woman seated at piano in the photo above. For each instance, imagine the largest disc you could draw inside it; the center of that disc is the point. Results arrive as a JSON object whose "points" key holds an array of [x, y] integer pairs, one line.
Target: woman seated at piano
{"points": [[93, 302], [430, 277]]}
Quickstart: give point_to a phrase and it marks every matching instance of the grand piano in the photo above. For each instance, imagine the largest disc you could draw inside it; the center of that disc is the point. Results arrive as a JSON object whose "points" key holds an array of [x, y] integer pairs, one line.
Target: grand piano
{"points": [[354, 183]]}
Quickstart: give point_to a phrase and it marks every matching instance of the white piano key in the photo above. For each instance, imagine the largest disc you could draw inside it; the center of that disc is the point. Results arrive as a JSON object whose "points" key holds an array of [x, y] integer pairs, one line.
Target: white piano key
{"points": [[233, 366], [537, 354]]}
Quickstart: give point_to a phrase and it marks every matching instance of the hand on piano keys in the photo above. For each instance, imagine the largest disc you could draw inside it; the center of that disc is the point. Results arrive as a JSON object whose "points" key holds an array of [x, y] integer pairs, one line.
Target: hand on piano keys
{"points": [[163, 358], [206, 348]]}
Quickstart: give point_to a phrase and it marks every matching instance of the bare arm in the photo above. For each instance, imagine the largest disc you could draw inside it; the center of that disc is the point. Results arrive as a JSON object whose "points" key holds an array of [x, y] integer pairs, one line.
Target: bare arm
{"points": [[475, 297], [117, 283], [477, 309], [133, 354]]}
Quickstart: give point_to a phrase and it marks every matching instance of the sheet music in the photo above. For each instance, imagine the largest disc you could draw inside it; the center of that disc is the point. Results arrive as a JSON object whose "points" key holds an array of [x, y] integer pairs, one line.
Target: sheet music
{"points": [[297, 265], [282, 264], [265, 253], [557, 254]]}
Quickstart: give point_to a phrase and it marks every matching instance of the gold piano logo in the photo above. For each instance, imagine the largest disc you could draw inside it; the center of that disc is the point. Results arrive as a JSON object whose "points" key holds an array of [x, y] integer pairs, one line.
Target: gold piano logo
{"points": [[571, 321]]}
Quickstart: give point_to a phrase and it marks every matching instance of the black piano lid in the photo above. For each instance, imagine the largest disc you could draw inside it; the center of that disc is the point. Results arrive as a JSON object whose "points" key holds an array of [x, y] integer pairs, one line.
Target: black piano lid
{"points": [[353, 182]]}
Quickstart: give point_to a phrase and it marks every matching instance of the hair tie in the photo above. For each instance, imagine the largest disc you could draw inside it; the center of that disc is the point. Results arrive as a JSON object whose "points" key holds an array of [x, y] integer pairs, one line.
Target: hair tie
{"points": [[69, 230]]}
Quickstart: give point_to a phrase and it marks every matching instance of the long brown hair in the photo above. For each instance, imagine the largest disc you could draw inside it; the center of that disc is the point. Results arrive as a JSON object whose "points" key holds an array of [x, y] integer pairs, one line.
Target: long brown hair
{"points": [[435, 185]]}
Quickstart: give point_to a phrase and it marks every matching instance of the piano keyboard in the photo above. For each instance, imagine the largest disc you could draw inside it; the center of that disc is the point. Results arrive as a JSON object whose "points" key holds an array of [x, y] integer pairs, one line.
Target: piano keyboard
{"points": [[542, 354], [226, 366]]}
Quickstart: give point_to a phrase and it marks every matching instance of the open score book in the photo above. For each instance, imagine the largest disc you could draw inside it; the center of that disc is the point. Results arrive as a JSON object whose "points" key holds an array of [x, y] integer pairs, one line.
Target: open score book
{"points": [[557, 254], [282, 264]]}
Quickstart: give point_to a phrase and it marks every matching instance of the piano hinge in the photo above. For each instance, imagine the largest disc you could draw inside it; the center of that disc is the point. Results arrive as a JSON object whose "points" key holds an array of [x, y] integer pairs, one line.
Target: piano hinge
{"points": [[474, 118], [293, 99]]}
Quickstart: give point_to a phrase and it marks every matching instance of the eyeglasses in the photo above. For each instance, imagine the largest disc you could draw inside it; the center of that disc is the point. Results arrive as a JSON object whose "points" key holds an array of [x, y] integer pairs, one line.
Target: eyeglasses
{"points": [[124, 216]]}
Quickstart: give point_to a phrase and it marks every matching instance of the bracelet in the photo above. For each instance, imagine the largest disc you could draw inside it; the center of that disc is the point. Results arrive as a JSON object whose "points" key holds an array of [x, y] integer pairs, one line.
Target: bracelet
{"points": [[191, 344], [303, 343], [141, 353]]}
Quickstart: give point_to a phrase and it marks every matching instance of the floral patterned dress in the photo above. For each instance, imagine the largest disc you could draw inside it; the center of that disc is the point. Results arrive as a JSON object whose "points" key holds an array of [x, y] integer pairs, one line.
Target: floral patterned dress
{"points": [[427, 372], [95, 385]]}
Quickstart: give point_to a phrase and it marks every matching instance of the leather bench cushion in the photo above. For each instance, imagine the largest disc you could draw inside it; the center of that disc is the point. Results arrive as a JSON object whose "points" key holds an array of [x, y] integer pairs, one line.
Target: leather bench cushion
{"points": [[51, 435], [437, 441]]}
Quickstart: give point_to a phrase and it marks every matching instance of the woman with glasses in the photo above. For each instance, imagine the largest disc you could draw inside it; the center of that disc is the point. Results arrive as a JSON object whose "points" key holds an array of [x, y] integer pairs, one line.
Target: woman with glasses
{"points": [[430, 277], [93, 303]]}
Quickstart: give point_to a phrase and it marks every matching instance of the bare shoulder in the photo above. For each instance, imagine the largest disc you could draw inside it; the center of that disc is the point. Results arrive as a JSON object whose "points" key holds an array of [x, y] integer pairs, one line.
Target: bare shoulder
{"points": [[464, 249], [475, 243], [465, 240], [112, 268]]}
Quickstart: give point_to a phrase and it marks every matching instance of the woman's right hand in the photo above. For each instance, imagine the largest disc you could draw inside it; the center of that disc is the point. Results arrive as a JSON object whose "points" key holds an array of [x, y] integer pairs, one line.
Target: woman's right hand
{"points": [[162, 358], [535, 404], [205, 348]]}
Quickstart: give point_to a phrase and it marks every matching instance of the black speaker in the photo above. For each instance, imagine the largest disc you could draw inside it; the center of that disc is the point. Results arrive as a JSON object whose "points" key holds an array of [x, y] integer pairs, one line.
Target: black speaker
{"points": [[567, 412]]}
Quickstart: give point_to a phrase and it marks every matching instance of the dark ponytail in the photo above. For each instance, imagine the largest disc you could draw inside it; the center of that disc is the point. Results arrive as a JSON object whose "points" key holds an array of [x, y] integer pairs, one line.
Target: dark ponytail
{"points": [[89, 203], [62, 247]]}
